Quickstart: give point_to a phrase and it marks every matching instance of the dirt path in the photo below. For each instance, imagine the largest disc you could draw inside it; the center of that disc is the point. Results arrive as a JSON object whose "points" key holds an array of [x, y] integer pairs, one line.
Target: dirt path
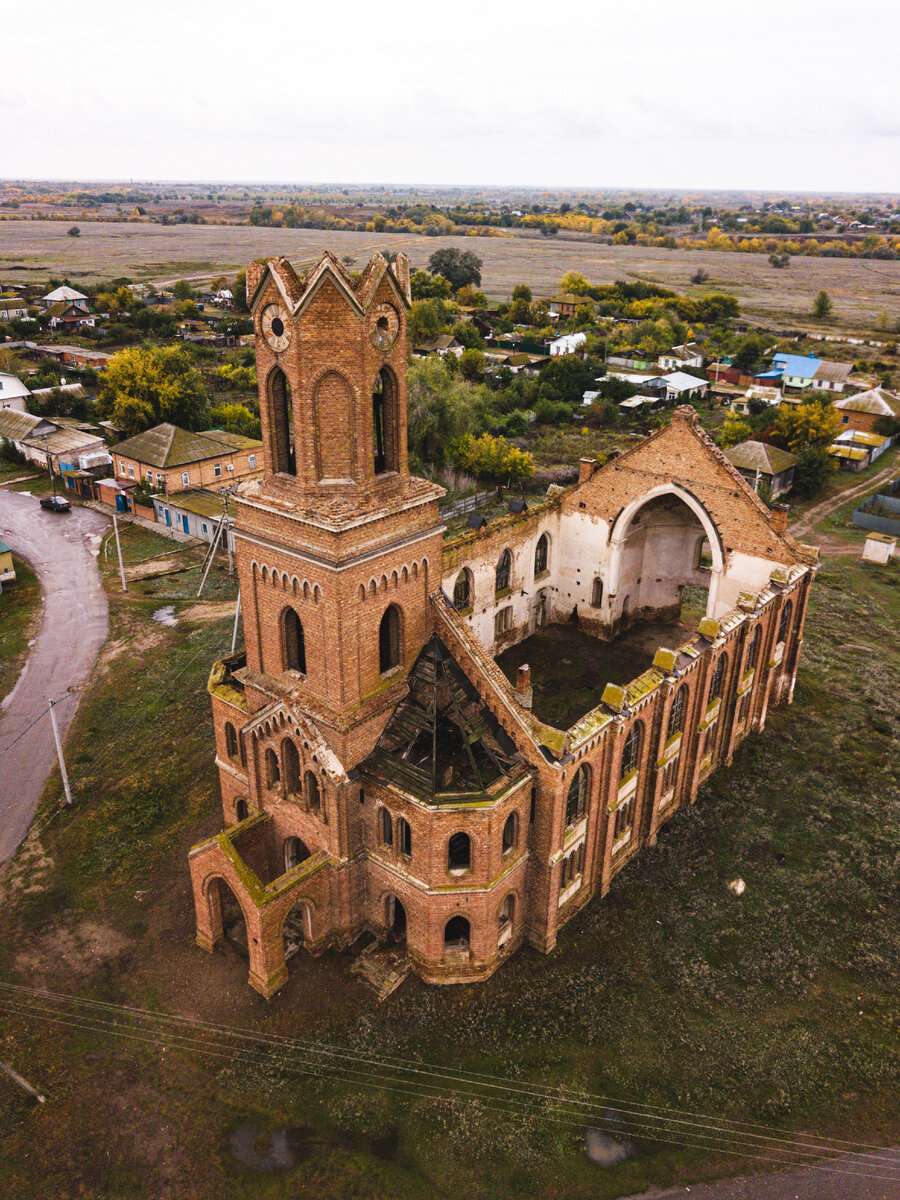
{"points": [[62, 548], [804, 527]]}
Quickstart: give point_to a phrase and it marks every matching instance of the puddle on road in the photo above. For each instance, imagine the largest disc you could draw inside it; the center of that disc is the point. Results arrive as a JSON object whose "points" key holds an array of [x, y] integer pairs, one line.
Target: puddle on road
{"points": [[606, 1151], [166, 615], [277, 1150]]}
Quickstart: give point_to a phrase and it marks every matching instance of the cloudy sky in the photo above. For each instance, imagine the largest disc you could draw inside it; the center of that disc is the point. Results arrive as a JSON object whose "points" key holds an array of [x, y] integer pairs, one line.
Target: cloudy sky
{"points": [[775, 94]]}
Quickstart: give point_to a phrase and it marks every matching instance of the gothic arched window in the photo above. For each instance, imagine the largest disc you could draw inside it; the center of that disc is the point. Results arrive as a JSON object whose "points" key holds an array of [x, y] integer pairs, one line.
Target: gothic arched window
{"points": [[632, 750], [715, 688], [753, 652], [504, 572], [293, 642], [676, 712], [281, 424], [541, 555], [784, 622], [576, 800], [390, 650], [462, 589]]}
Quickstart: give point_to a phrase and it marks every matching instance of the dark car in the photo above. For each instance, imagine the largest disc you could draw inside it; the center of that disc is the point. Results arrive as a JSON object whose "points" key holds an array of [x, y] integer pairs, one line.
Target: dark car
{"points": [[55, 503]]}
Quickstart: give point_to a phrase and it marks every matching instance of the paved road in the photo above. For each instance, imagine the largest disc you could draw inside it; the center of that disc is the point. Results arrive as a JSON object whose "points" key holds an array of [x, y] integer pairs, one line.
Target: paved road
{"points": [[875, 1176], [62, 548]]}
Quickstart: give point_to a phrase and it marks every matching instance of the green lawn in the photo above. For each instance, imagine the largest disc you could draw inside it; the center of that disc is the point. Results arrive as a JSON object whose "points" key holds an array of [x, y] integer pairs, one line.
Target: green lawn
{"points": [[20, 608], [779, 1007]]}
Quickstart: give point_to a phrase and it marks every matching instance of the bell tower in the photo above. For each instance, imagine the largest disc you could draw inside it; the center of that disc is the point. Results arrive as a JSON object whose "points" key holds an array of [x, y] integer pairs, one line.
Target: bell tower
{"points": [[338, 546]]}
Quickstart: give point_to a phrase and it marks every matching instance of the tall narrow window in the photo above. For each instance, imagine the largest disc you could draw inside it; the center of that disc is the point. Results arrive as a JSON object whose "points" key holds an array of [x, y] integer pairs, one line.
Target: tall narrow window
{"points": [[293, 643], [386, 832], [510, 833], [459, 852], [231, 742], [404, 837], [715, 688], [504, 572], [784, 622], [576, 800], [676, 712], [273, 771], [389, 636], [753, 652], [281, 427], [378, 425], [631, 752], [291, 764], [597, 593], [462, 590], [541, 555], [313, 793]]}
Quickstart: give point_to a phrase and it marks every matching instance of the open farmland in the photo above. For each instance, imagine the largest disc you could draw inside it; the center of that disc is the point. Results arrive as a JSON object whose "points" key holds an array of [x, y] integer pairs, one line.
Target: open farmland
{"points": [[860, 289]]}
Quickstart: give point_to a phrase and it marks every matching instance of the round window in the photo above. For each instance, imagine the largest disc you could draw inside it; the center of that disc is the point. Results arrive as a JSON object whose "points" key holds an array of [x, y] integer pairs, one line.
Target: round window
{"points": [[277, 326]]}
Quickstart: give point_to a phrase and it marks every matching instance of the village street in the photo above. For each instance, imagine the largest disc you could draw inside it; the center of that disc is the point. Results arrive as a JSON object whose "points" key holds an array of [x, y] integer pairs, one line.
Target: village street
{"points": [[62, 549]]}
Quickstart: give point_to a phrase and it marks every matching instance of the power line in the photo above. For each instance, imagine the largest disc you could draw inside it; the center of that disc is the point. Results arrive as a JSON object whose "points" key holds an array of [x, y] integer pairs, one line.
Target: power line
{"points": [[522, 1098]]}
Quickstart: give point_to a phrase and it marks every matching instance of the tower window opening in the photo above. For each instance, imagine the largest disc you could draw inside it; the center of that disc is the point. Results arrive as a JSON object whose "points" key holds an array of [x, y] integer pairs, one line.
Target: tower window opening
{"points": [[389, 649], [293, 642], [378, 425], [281, 422]]}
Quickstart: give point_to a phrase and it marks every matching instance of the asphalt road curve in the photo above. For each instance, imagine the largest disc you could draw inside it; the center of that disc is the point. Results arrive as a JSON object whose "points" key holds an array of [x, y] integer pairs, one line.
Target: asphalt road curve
{"points": [[62, 548]]}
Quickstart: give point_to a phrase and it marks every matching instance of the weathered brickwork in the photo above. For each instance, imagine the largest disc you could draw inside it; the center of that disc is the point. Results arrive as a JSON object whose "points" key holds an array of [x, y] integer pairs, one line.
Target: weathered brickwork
{"points": [[378, 770]]}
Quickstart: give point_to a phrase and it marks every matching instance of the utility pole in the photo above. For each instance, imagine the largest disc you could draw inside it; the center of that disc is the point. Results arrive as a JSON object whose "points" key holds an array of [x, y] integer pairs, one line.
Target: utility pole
{"points": [[119, 550], [22, 1083], [237, 617], [59, 751]]}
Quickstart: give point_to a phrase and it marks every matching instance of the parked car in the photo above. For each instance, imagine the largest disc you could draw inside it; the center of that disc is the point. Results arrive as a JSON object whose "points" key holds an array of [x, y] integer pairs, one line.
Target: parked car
{"points": [[55, 503]]}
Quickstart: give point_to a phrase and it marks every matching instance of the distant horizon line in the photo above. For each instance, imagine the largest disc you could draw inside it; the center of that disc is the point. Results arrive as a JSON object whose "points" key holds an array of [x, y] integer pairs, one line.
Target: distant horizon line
{"points": [[462, 187]]}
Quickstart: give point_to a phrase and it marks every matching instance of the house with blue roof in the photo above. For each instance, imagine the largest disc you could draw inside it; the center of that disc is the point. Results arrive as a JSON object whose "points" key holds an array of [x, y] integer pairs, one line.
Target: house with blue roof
{"points": [[797, 370], [807, 371]]}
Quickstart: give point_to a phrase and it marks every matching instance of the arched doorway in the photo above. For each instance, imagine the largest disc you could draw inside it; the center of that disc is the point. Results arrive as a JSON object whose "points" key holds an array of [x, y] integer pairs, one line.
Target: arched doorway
{"points": [[296, 929], [395, 918], [295, 852], [457, 935], [654, 558], [234, 927]]}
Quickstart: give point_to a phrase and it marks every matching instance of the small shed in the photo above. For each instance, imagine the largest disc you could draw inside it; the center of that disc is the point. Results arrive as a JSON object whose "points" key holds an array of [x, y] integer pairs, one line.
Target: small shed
{"points": [[879, 548]]}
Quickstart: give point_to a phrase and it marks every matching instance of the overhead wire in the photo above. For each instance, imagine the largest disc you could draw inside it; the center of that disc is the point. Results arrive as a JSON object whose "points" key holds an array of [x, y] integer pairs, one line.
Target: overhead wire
{"points": [[522, 1098]]}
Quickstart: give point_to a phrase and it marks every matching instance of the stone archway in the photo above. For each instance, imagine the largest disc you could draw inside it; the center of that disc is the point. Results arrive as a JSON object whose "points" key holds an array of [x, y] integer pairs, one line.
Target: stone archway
{"points": [[296, 929], [226, 914], [653, 555]]}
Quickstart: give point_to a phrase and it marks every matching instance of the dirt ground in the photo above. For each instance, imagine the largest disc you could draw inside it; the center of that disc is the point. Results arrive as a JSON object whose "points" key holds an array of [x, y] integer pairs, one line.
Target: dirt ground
{"points": [[859, 289]]}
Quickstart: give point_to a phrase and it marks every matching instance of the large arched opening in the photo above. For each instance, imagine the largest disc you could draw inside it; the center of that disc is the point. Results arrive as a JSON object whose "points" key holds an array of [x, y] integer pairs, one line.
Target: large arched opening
{"points": [[281, 424], [395, 918], [297, 929], [231, 915], [656, 568]]}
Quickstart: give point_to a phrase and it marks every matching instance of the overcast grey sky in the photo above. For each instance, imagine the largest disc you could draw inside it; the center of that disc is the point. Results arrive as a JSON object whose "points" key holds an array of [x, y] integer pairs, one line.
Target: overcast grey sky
{"points": [[772, 94]]}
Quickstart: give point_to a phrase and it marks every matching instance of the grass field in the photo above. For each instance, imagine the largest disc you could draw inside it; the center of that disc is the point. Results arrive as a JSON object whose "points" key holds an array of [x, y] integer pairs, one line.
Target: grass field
{"points": [[779, 1007], [861, 290], [20, 608]]}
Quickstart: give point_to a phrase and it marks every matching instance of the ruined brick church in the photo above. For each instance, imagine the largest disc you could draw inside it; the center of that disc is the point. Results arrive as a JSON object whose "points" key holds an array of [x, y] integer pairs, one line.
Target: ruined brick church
{"points": [[379, 770]]}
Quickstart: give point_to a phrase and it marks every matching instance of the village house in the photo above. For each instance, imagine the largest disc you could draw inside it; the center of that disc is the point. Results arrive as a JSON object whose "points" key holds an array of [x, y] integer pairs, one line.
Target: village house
{"points": [[566, 304], [444, 343], [569, 343], [74, 356], [70, 316], [197, 513], [862, 410], [13, 308], [764, 465], [7, 566], [680, 358], [13, 393], [800, 371], [385, 765], [65, 295], [173, 459]]}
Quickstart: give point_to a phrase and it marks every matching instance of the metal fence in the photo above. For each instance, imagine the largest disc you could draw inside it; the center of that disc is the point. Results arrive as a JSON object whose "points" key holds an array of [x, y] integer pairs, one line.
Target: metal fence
{"points": [[466, 505]]}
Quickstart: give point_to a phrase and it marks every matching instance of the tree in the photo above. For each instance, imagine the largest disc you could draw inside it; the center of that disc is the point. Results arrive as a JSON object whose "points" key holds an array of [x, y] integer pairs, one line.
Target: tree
{"points": [[811, 472], [471, 365], [426, 320], [822, 306], [183, 290], [187, 310], [219, 284], [733, 432], [73, 231], [239, 291], [441, 409], [235, 418], [572, 283], [429, 287], [522, 292], [492, 458], [810, 424], [146, 385], [711, 310], [459, 267]]}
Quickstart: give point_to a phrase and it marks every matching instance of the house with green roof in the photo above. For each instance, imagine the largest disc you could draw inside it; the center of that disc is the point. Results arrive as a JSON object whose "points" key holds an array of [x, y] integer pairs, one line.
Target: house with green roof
{"points": [[172, 459], [764, 465]]}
